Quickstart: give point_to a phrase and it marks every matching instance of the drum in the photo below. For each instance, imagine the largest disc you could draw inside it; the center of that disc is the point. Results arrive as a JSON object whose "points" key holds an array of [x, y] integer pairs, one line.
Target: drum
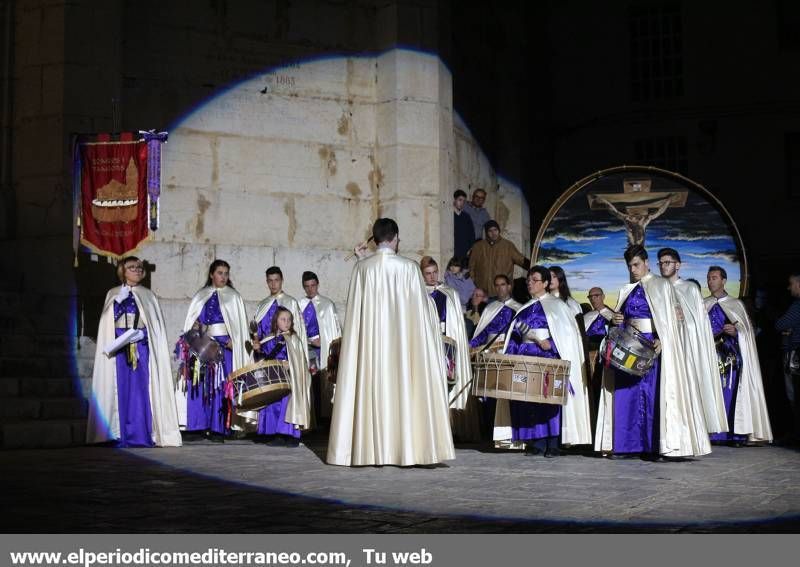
{"points": [[627, 350], [450, 360], [258, 385], [333, 359], [521, 378], [203, 347]]}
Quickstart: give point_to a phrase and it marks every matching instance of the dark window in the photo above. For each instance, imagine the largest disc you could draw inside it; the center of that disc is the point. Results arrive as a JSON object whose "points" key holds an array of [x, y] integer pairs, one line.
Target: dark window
{"points": [[656, 52], [666, 152], [792, 148], [788, 19]]}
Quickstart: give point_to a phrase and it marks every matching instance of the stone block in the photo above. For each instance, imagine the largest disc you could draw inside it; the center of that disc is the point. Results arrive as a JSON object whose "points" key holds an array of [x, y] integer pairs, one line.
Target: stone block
{"points": [[10, 366], [27, 94], [9, 387], [314, 217], [53, 88], [188, 160], [181, 268], [45, 387], [248, 264], [66, 408], [20, 408], [33, 434]]}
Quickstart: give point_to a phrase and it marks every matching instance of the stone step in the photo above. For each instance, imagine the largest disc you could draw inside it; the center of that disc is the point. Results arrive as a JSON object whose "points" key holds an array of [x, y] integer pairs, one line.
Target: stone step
{"points": [[39, 387], [21, 408], [42, 366], [27, 434], [28, 344]]}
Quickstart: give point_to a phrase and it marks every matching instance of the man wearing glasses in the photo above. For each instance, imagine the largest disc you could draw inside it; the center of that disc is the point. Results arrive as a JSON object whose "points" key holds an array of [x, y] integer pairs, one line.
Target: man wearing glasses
{"points": [[649, 415], [698, 343]]}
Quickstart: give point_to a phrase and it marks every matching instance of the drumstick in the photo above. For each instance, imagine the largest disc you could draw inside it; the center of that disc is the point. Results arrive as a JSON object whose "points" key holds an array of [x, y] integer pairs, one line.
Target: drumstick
{"points": [[348, 258]]}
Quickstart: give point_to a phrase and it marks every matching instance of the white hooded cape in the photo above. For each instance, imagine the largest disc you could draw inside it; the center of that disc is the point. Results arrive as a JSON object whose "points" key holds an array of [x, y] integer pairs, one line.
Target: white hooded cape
{"points": [[103, 424], [576, 426], [750, 416], [493, 310], [682, 428], [298, 412], [701, 356], [290, 303], [329, 330], [233, 314], [391, 403]]}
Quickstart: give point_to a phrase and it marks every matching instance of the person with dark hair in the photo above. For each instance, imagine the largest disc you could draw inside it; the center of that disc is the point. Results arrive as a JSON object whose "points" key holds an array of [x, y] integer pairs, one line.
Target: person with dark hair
{"points": [[477, 212], [788, 325], [216, 310], [560, 288], [322, 328], [649, 415], [698, 344], [738, 366], [458, 278], [492, 256], [265, 312], [133, 398], [391, 404], [282, 421], [545, 327], [463, 229], [464, 418]]}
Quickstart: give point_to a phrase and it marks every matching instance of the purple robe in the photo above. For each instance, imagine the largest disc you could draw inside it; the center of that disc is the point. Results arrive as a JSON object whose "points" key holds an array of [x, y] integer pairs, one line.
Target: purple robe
{"points": [[598, 328], [529, 420], [730, 375], [495, 326], [206, 411], [312, 328], [636, 399], [133, 386], [272, 419], [441, 304]]}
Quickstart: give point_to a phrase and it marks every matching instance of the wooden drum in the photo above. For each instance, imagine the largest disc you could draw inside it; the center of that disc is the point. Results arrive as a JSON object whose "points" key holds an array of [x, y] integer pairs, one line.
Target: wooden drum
{"points": [[521, 378], [260, 384]]}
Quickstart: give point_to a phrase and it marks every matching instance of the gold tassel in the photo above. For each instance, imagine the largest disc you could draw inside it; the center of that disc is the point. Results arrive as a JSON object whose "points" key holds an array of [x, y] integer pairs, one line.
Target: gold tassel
{"points": [[133, 356], [196, 372]]}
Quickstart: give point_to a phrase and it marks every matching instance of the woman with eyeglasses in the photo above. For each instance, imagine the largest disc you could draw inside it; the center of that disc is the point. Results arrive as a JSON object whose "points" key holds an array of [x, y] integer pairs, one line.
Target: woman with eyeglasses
{"points": [[546, 327], [133, 398], [217, 310]]}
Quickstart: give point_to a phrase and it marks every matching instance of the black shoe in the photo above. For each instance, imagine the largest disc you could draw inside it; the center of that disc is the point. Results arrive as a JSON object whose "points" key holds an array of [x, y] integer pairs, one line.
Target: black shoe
{"points": [[551, 453], [622, 456], [531, 450], [215, 437], [652, 457], [291, 442], [192, 436], [736, 444], [276, 441]]}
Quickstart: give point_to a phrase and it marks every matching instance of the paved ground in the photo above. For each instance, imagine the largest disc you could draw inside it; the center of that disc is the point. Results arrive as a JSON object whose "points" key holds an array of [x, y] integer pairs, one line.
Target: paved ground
{"points": [[244, 487]]}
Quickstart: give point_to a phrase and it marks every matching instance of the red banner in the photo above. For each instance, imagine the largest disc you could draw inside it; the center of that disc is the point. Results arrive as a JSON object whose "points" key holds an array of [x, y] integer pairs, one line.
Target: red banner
{"points": [[113, 197]]}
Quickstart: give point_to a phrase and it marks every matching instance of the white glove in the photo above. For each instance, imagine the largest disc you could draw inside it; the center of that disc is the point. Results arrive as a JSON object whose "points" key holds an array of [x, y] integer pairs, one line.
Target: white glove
{"points": [[123, 294]]}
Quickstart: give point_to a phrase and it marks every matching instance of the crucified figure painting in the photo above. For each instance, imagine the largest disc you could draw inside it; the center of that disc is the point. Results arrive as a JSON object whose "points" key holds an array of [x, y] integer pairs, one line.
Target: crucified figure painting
{"points": [[637, 219]]}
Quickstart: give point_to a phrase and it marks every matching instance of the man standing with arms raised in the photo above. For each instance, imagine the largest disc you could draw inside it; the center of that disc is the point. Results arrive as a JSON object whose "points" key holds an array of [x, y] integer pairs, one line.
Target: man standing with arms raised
{"points": [[391, 405], [698, 342]]}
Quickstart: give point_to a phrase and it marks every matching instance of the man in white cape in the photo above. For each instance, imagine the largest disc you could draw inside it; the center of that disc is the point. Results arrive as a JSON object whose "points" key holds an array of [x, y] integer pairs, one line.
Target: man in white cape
{"points": [[463, 406], [743, 389], [391, 405], [664, 391], [322, 327], [104, 411], [698, 342]]}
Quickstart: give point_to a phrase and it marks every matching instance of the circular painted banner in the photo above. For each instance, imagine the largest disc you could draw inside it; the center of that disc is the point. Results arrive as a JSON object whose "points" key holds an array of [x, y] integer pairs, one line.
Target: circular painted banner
{"points": [[588, 229]]}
